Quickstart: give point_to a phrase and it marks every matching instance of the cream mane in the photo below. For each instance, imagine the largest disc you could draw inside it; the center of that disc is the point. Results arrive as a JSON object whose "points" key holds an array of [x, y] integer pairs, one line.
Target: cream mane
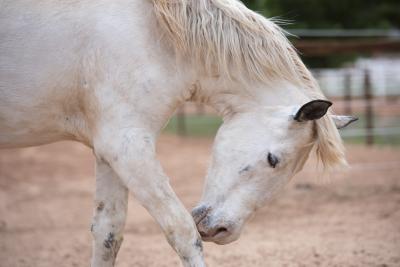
{"points": [[224, 35]]}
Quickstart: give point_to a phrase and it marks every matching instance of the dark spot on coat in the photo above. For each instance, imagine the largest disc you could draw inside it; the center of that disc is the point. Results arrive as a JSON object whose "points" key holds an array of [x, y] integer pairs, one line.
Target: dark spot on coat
{"points": [[185, 259], [100, 206], [113, 245], [272, 160], [304, 186], [147, 140], [199, 244], [245, 169], [108, 243], [91, 228]]}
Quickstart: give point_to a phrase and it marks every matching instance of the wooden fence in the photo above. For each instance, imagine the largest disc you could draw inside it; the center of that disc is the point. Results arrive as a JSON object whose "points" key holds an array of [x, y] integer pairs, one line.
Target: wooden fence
{"points": [[367, 104]]}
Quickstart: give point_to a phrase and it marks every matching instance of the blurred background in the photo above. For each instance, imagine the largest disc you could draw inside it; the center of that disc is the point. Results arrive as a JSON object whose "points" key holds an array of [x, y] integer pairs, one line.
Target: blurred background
{"points": [[352, 48], [348, 218]]}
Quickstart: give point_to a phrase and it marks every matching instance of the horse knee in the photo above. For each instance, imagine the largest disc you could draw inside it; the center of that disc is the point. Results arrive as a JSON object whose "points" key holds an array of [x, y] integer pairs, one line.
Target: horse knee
{"points": [[109, 215]]}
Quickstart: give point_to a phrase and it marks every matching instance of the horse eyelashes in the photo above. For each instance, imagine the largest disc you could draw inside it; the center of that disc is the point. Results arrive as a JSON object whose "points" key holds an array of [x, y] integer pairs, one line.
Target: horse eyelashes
{"points": [[272, 160]]}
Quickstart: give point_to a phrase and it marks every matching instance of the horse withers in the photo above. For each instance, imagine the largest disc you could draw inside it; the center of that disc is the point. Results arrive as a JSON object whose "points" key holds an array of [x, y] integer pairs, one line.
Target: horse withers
{"points": [[110, 74]]}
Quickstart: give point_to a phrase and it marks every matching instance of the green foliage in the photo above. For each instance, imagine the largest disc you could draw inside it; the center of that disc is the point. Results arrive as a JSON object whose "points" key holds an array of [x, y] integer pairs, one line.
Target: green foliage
{"points": [[338, 14], [196, 125]]}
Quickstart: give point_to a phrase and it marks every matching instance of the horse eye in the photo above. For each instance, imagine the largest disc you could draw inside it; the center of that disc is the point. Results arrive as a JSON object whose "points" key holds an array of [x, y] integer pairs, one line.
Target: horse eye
{"points": [[272, 160]]}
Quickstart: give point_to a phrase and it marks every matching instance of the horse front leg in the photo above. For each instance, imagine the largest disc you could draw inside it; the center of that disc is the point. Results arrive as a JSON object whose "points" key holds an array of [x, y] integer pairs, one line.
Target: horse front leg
{"points": [[131, 153], [109, 215]]}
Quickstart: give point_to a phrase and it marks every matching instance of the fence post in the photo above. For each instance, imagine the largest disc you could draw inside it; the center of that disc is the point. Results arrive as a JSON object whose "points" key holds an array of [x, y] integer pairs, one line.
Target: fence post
{"points": [[369, 115], [200, 109], [180, 119], [347, 92]]}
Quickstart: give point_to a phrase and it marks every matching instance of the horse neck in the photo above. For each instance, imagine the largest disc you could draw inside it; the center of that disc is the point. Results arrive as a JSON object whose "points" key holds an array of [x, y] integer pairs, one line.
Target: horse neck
{"points": [[228, 96]]}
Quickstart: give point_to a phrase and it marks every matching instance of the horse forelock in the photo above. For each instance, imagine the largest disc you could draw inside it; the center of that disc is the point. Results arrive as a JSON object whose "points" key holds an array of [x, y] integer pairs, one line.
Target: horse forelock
{"points": [[224, 35]]}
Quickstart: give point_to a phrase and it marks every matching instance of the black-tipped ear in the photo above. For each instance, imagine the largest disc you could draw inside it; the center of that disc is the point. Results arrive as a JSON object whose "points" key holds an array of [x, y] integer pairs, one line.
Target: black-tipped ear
{"points": [[312, 110]]}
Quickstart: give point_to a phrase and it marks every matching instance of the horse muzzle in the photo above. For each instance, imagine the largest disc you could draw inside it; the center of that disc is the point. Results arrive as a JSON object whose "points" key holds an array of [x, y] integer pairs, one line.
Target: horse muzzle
{"points": [[212, 228]]}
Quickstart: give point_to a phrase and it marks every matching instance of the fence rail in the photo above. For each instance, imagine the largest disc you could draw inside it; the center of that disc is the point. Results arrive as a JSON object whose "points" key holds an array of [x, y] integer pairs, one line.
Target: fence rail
{"points": [[387, 131], [372, 108]]}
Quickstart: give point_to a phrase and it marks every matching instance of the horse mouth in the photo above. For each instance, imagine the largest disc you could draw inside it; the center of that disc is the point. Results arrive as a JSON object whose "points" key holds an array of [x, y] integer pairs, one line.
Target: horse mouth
{"points": [[220, 233], [218, 237]]}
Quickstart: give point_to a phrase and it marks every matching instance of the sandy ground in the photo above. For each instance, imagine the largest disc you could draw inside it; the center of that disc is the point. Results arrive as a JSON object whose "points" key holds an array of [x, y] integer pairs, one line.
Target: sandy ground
{"points": [[46, 197]]}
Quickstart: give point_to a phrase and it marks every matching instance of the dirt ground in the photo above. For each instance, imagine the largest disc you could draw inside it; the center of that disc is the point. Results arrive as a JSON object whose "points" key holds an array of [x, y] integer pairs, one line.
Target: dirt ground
{"points": [[46, 197]]}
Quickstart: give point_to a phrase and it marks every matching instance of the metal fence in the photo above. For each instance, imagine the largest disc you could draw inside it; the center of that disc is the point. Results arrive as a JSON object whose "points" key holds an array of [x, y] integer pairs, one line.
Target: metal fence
{"points": [[355, 91]]}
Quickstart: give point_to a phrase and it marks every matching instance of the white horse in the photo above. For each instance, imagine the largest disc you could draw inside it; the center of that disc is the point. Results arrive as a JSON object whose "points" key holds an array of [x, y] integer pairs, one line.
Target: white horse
{"points": [[110, 74]]}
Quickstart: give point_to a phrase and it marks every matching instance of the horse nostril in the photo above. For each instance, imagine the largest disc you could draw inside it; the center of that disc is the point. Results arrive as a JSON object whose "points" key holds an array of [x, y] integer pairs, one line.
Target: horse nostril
{"points": [[200, 213], [221, 230]]}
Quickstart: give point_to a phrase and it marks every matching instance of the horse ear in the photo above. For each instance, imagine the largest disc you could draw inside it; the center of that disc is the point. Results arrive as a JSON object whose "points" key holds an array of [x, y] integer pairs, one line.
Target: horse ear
{"points": [[343, 121], [312, 110]]}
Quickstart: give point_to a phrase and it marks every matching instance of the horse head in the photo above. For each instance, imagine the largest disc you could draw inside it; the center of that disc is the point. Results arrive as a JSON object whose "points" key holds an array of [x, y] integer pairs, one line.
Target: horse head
{"points": [[255, 154]]}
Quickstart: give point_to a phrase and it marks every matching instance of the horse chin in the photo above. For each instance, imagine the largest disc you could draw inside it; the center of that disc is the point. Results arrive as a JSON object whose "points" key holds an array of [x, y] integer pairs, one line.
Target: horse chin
{"points": [[222, 238]]}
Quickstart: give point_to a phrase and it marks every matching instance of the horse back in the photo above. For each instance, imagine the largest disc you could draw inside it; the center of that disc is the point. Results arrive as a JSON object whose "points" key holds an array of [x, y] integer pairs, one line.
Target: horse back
{"points": [[50, 54]]}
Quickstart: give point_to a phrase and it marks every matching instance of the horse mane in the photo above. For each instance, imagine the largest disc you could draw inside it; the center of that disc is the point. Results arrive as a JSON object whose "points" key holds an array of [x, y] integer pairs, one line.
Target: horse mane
{"points": [[224, 35]]}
